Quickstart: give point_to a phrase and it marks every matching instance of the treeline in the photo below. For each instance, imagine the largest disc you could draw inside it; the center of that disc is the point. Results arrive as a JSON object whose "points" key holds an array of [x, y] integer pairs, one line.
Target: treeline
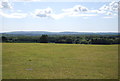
{"points": [[68, 39]]}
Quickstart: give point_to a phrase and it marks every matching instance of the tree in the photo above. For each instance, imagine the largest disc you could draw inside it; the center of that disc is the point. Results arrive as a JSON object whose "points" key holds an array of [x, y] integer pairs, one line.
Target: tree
{"points": [[44, 39], [69, 40], [4, 39], [84, 41], [77, 41]]}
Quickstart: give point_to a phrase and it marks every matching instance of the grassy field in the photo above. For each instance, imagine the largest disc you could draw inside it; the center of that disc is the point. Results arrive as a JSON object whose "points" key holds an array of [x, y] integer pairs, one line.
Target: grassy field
{"points": [[59, 61]]}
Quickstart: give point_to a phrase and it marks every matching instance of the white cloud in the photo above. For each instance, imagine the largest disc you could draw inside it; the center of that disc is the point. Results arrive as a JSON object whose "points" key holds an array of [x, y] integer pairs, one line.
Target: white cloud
{"points": [[13, 15], [113, 6], [5, 4], [43, 12], [48, 12], [80, 10], [76, 9], [110, 9]]}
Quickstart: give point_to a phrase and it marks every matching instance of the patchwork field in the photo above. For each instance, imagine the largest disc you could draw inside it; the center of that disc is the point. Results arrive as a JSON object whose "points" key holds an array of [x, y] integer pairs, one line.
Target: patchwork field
{"points": [[59, 61]]}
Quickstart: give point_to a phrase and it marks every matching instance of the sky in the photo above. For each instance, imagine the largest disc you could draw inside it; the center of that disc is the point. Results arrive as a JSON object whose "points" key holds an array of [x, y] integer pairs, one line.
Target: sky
{"points": [[58, 16]]}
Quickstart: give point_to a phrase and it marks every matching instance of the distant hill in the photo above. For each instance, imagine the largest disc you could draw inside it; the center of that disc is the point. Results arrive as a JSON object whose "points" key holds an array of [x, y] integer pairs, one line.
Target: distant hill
{"points": [[36, 33]]}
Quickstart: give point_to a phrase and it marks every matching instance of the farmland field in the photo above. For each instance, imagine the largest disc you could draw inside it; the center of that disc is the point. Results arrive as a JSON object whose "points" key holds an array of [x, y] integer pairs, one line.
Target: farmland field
{"points": [[59, 61]]}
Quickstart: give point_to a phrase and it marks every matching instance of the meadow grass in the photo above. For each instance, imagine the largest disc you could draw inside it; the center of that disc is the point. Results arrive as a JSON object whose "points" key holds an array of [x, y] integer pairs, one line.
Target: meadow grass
{"points": [[59, 61]]}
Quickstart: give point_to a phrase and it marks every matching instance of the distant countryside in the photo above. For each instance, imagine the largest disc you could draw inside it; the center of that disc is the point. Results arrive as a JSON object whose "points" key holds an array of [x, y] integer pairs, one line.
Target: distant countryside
{"points": [[60, 56], [62, 37]]}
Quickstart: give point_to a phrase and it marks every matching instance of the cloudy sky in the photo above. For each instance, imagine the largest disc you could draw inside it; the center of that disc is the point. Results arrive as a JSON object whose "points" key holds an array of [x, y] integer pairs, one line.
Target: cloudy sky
{"points": [[38, 15]]}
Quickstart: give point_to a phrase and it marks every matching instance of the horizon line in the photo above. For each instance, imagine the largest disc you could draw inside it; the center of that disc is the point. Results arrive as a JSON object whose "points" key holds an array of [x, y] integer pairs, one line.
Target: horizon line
{"points": [[59, 31]]}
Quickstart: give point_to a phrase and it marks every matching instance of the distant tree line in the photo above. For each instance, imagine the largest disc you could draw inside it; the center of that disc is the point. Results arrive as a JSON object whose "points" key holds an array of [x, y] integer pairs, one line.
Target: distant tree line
{"points": [[67, 39]]}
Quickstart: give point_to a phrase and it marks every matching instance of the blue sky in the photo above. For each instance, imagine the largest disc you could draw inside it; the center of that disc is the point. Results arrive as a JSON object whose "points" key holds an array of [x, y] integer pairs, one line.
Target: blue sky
{"points": [[58, 16]]}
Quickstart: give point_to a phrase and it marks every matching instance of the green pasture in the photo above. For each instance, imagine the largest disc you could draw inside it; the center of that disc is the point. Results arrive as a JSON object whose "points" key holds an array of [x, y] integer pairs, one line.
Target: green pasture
{"points": [[59, 61]]}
